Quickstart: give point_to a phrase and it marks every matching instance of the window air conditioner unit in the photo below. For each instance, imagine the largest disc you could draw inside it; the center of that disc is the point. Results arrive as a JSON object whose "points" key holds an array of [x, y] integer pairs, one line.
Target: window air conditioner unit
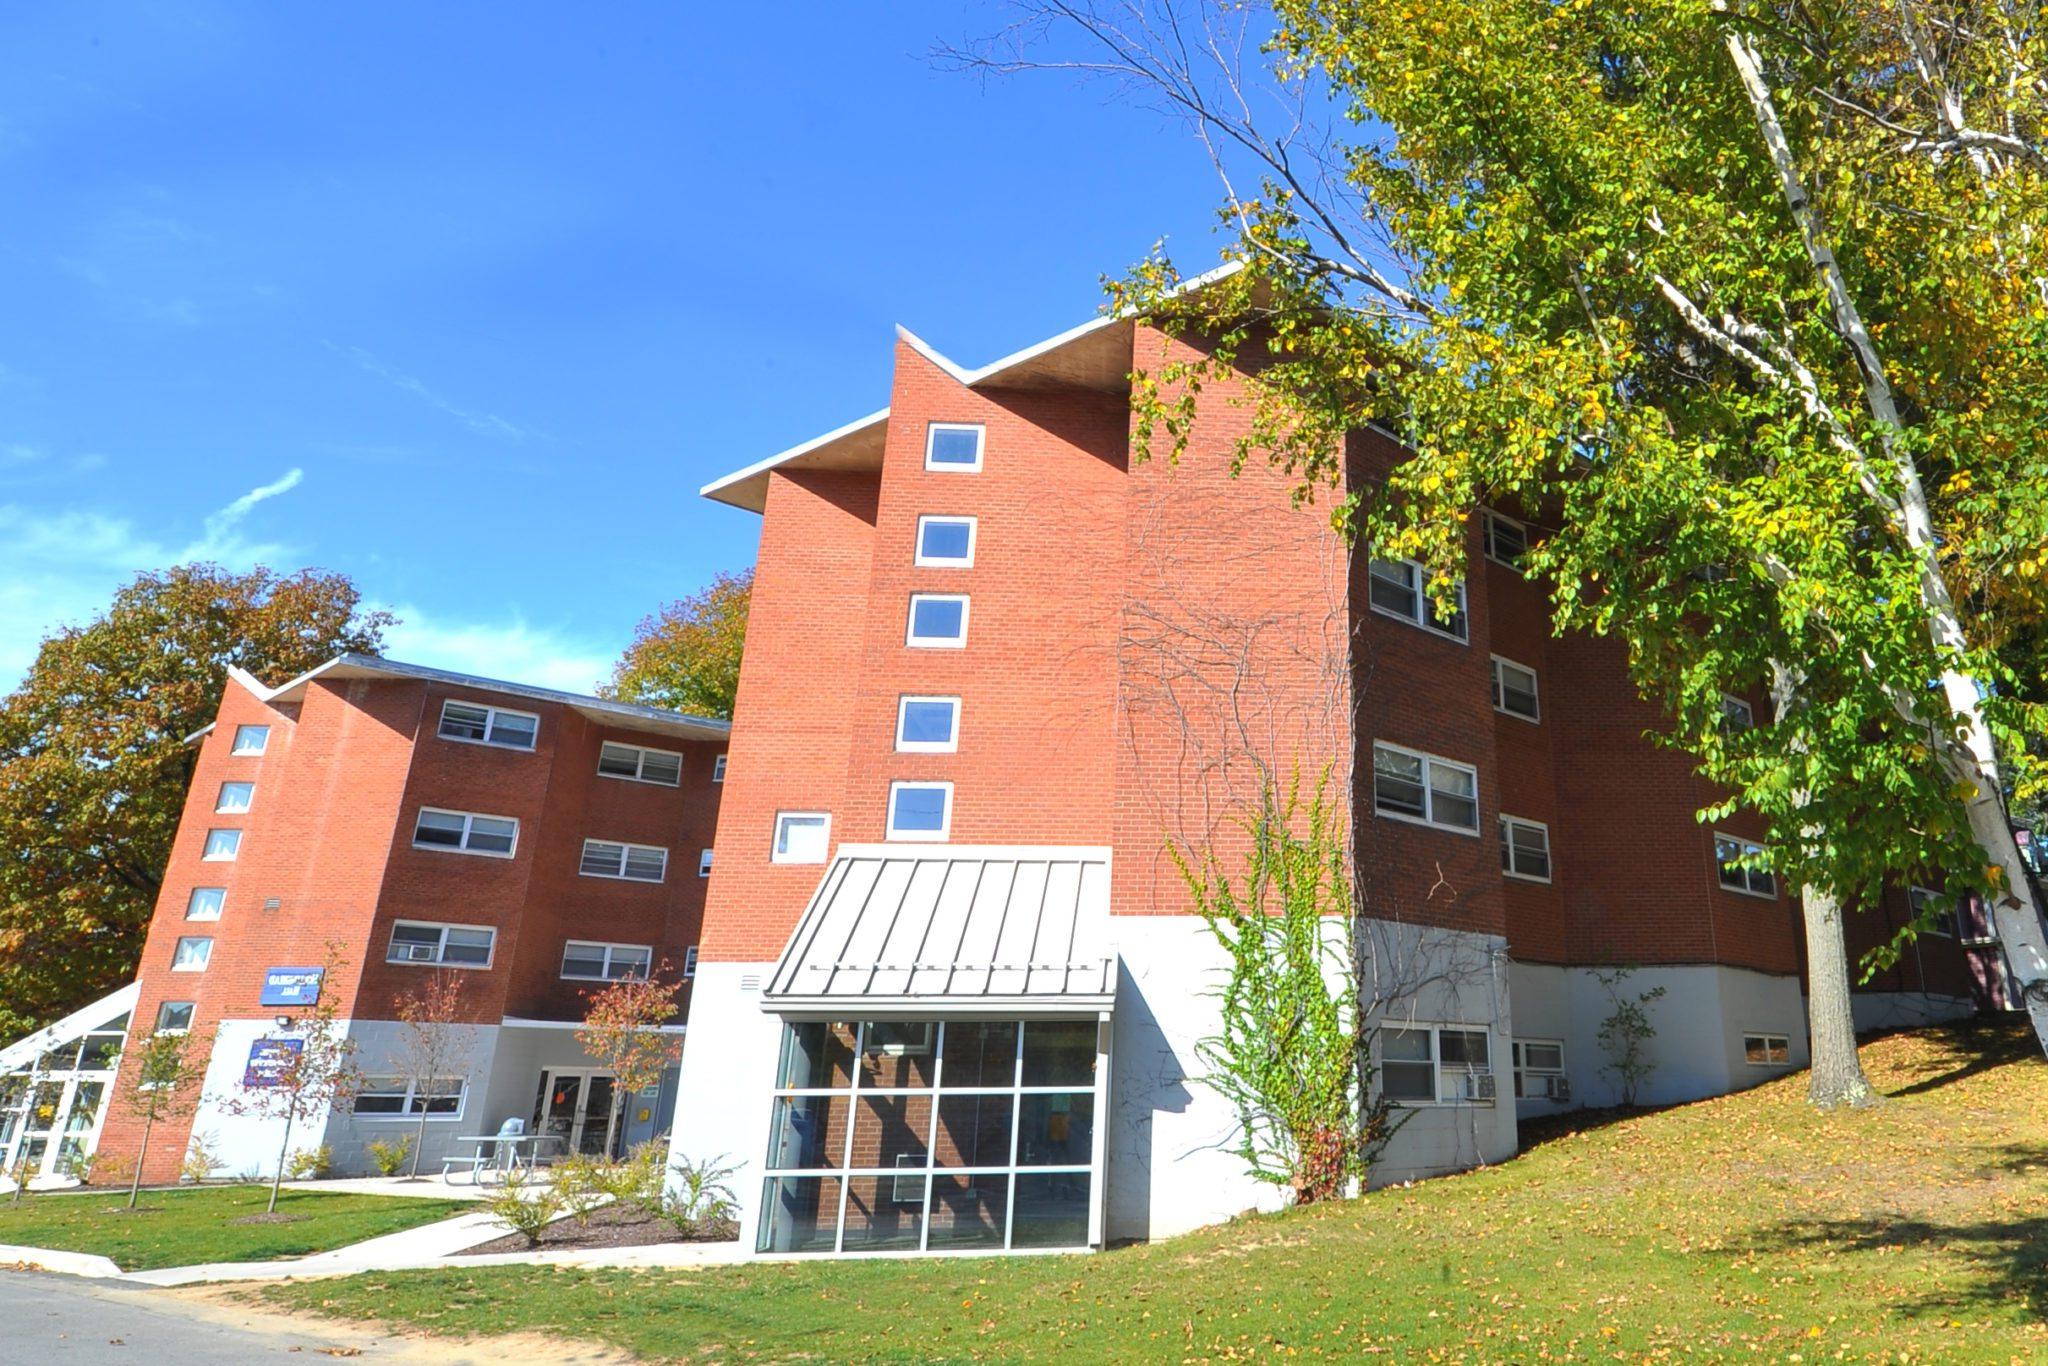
{"points": [[1478, 1086], [1554, 1087]]}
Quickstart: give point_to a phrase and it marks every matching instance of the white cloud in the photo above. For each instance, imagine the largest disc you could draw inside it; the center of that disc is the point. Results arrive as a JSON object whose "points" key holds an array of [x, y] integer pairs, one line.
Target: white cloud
{"points": [[490, 424], [515, 651], [223, 522]]}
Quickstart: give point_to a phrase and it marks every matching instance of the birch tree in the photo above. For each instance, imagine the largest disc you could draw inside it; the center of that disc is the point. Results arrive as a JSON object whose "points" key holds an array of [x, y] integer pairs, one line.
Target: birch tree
{"points": [[1744, 303]]}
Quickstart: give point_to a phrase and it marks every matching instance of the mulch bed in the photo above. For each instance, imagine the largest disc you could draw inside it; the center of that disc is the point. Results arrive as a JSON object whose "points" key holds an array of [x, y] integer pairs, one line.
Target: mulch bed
{"points": [[609, 1226]]}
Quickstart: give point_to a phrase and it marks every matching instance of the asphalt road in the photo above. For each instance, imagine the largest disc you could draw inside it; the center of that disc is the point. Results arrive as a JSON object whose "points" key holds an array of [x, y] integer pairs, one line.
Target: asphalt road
{"points": [[70, 1320]]}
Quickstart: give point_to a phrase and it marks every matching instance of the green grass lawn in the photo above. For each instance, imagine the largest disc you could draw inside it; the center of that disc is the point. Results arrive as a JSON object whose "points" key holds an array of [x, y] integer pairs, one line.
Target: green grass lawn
{"points": [[1742, 1228], [181, 1227]]}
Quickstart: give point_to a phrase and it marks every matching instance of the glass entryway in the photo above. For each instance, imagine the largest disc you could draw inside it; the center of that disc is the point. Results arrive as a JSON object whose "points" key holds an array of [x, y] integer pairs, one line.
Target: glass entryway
{"points": [[51, 1110], [934, 1136], [581, 1108]]}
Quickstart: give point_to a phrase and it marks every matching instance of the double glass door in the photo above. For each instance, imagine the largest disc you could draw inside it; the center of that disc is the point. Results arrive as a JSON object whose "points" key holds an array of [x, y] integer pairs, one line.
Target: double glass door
{"points": [[581, 1108]]}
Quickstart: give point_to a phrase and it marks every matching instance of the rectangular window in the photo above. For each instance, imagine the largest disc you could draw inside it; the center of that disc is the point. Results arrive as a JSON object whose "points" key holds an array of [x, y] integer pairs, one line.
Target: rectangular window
{"points": [[1767, 1050], [476, 724], [462, 946], [920, 811], [639, 764], [1736, 715], [465, 832], [1514, 689], [400, 1098], [632, 862], [174, 1017], [927, 725], [1398, 588], [945, 542], [1429, 1064], [1731, 854], [193, 953], [250, 740], [1525, 849], [801, 836], [205, 903], [1539, 1070], [718, 769], [1412, 786], [221, 846], [704, 863], [690, 961], [954, 446], [938, 621], [1929, 913], [234, 798], [1507, 540], [605, 962]]}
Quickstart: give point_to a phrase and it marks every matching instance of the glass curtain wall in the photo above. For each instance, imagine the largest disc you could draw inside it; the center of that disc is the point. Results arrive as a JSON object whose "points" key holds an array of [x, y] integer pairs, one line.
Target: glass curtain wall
{"points": [[52, 1121]]}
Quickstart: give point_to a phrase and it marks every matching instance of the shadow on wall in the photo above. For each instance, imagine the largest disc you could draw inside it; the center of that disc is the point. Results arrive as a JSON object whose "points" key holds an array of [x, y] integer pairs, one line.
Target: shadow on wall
{"points": [[1148, 1079]]}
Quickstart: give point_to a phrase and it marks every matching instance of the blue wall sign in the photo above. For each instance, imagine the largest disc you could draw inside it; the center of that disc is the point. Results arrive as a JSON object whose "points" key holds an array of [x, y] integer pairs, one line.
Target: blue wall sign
{"points": [[268, 1060], [291, 986]]}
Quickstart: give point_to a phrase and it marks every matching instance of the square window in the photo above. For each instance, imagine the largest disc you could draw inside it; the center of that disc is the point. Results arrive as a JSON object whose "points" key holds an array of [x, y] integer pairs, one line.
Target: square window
{"points": [[639, 764], [234, 798], [250, 740], [1929, 913], [1524, 849], [938, 621], [477, 724], [704, 864], [954, 446], [1397, 783], [1735, 858], [472, 948], [920, 811], [630, 862], [718, 769], [1767, 1050], [1736, 715], [1507, 541], [1407, 1067], [174, 1017], [690, 961], [927, 725], [205, 903], [1514, 689], [945, 542], [801, 836], [1453, 796], [1399, 588], [1422, 787], [465, 832], [221, 846], [192, 954], [583, 960]]}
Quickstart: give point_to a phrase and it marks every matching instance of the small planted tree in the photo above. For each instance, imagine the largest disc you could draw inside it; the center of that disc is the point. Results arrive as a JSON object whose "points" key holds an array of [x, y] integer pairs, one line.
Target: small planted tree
{"points": [[1289, 1055], [434, 1043], [165, 1085], [306, 1071], [622, 1029], [1626, 1033]]}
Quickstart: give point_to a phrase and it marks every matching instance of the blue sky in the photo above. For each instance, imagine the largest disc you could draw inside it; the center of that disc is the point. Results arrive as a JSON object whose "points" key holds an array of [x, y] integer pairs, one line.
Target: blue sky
{"points": [[468, 300]]}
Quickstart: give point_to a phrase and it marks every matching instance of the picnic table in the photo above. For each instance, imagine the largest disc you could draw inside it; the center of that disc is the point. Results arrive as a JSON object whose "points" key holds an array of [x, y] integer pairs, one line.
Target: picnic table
{"points": [[503, 1153]]}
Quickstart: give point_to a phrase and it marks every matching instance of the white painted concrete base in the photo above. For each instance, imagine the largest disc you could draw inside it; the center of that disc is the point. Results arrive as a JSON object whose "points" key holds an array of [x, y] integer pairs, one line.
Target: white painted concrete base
{"points": [[1906, 1009]]}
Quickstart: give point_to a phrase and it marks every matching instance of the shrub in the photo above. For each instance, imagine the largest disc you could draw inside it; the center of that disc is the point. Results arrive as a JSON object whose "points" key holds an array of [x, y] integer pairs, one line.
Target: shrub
{"points": [[390, 1158], [1626, 1034], [583, 1182], [699, 1204], [202, 1158], [526, 1205], [637, 1181], [309, 1164], [106, 1169]]}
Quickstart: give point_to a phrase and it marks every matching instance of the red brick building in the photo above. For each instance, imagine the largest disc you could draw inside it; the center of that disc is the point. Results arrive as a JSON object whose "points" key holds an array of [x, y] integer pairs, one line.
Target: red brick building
{"points": [[354, 832], [997, 672]]}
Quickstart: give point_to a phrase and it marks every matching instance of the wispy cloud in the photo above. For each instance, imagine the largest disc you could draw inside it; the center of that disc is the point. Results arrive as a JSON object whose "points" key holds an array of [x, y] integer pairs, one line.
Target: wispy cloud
{"points": [[220, 524], [488, 424], [514, 650]]}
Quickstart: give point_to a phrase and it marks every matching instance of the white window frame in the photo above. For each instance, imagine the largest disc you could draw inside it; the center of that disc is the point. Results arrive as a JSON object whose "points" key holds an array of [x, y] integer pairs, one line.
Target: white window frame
{"points": [[775, 855], [639, 773], [605, 973], [949, 745], [234, 844], [192, 1013], [1436, 1029], [1500, 690], [469, 820], [1428, 791], [205, 954], [1518, 1058], [1748, 848], [931, 433], [690, 961], [1767, 1035], [704, 863], [440, 958], [409, 1086], [1489, 519], [1732, 707], [1507, 823], [220, 799], [626, 850], [491, 715], [192, 902], [1945, 923], [718, 769], [1422, 615], [939, 836], [237, 749], [918, 642], [923, 561]]}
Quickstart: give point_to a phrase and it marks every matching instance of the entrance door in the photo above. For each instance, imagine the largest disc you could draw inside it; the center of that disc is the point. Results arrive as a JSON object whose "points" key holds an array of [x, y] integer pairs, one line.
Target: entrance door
{"points": [[580, 1108]]}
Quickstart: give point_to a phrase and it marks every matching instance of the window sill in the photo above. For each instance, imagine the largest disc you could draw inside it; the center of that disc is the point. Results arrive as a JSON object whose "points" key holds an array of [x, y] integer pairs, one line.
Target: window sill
{"points": [[1744, 891], [1535, 720], [644, 782], [1526, 877], [473, 853], [621, 877], [1406, 819], [1438, 632], [488, 744]]}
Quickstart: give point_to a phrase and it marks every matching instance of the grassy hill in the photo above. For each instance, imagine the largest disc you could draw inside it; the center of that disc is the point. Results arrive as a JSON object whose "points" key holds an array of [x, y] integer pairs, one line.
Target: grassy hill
{"points": [[1747, 1227]]}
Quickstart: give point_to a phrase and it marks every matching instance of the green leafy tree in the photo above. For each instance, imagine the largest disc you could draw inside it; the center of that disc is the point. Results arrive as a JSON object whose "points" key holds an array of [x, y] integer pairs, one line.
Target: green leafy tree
{"points": [[686, 657], [163, 1077], [1743, 301], [93, 764]]}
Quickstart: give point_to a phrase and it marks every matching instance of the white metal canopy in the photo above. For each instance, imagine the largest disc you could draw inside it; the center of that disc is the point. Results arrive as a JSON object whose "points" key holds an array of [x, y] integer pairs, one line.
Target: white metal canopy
{"points": [[943, 928]]}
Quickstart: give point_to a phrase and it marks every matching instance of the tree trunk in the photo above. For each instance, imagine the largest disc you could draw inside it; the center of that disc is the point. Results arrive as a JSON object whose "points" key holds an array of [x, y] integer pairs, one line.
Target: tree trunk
{"points": [[419, 1141], [277, 1181], [2014, 914], [142, 1156], [1837, 1076]]}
